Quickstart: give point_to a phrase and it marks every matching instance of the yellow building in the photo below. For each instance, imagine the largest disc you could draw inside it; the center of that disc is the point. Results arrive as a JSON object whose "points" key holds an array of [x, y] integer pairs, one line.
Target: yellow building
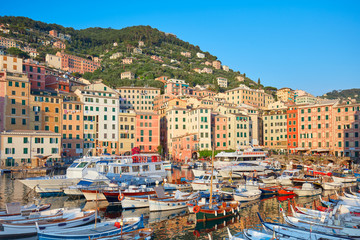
{"points": [[275, 126], [246, 95], [138, 98], [285, 95], [127, 123]]}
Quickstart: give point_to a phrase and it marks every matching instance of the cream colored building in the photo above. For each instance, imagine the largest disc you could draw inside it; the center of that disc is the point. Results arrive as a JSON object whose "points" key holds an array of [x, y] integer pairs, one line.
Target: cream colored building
{"points": [[177, 124], [305, 99], [222, 82], [127, 75], [246, 95], [53, 61], [29, 148], [200, 123], [285, 95], [127, 123], [101, 112], [11, 64], [138, 98]]}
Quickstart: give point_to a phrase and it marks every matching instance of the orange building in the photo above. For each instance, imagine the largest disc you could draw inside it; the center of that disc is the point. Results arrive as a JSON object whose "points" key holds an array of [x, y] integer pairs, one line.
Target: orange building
{"points": [[45, 111], [72, 130], [292, 128], [14, 101], [147, 131]]}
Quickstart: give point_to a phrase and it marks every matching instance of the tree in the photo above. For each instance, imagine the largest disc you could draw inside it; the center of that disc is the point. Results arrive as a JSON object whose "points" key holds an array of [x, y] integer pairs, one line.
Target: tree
{"points": [[259, 82], [17, 52]]}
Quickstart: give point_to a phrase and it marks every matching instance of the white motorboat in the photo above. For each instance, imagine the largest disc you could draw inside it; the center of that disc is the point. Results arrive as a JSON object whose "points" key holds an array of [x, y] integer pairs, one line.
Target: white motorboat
{"points": [[224, 159], [243, 194], [77, 171], [248, 168], [306, 190], [204, 181], [286, 177], [271, 180]]}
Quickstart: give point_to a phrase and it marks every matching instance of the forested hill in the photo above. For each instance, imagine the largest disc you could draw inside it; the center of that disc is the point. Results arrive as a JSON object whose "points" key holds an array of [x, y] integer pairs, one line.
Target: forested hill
{"points": [[104, 42], [353, 93]]}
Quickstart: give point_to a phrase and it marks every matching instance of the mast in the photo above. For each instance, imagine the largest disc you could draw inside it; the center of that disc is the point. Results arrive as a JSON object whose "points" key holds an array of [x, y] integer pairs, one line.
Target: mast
{"points": [[211, 180]]}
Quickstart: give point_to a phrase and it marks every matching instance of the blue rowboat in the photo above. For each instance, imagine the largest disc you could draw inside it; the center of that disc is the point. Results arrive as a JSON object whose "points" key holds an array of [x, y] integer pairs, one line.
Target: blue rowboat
{"points": [[103, 229]]}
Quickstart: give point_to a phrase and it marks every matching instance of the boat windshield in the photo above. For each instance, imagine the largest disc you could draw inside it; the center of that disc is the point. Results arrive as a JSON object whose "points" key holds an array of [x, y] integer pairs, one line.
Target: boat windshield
{"points": [[82, 165], [206, 177], [73, 165]]}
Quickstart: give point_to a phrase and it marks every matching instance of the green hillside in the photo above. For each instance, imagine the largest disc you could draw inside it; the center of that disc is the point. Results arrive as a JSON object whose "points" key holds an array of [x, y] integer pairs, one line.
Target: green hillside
{"points": [[353, 93], [100, 42]]}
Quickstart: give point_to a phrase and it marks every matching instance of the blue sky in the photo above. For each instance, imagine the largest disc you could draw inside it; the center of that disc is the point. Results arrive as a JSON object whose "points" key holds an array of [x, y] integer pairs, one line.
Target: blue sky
{"points": [[310, 45]]}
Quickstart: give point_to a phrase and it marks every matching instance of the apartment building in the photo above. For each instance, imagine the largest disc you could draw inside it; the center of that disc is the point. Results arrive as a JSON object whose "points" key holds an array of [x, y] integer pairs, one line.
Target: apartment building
{"points": [[346, 129], [185, 147], [147, 131], [286, 95], [220, 131], [29, 148], [315, 127], [53, 61], [14, 101], [73, 63], [138, 98], [246, 95], [72, 126], [199, 123], [127, 132], [176, 124], [11, 64], [275, 126], [216, 64], [8, 43], [36, 74], [222, 82], [101, 112], [127, 75], [45, 111], [176, 87]]}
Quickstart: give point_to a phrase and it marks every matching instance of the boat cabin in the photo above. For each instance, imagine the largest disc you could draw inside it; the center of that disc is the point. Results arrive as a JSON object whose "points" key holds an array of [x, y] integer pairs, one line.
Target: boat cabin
{"points": [[290, 174]]}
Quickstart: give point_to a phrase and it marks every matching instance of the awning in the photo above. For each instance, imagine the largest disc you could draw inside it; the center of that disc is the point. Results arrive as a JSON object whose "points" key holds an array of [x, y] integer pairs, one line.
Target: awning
{"points": [[301, 149], [321, 150]]}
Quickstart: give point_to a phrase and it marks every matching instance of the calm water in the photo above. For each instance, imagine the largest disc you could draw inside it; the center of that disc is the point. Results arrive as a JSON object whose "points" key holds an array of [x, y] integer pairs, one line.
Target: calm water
{"points": [[167, 225]]}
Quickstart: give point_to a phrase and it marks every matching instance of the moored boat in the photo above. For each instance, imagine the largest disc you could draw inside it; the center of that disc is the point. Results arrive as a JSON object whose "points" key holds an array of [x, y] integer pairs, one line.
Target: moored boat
{"points": [[216, 211], [140, 234]]}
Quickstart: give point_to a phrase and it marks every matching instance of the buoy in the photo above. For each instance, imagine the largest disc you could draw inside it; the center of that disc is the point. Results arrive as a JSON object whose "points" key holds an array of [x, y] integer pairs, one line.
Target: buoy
{"points": [[121, 197], [196, 209], [224, 204]]}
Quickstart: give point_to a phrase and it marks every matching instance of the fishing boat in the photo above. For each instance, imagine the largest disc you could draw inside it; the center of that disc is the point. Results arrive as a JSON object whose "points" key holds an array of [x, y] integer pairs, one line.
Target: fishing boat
{"points": [[179, 201], [28, 227], [286, 230], [269, 190], [256, 235], [269, 180], [102, 229], [331, 185], [140, 234], [15, 209], [214, 211], [344, 179], [285, 191], [243, 194], [231, 237], [118, 195]]}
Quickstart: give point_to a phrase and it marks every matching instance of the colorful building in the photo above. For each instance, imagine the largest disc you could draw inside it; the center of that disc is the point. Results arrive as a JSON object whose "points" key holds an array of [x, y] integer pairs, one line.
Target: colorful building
{"points": [[246, 95], [73, 63], [36, 74], [127, 124], [147, 131], [138, 98]]}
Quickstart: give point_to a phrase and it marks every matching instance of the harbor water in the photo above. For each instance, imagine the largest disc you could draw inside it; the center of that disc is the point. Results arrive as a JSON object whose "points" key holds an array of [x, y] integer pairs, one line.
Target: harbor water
{"points": [[177, 224]]}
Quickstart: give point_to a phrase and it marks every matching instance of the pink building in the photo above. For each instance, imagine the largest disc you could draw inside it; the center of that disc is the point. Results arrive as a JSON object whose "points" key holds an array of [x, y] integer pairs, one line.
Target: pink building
{"points": [[147, 131], [36, 74], [315, 127], [185, 147], [127, 61], [156, 58], [53, 33], [220, 132]]}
